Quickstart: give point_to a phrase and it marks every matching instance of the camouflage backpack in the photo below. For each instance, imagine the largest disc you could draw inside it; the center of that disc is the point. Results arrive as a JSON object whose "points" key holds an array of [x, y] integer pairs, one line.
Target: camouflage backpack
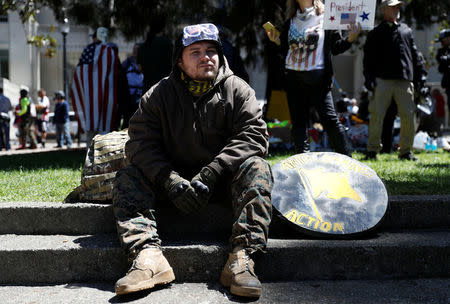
{"points": [[105, 156]]}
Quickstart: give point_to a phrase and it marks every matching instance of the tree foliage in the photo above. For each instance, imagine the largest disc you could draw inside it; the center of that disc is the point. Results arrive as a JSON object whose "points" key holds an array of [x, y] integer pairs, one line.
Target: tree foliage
{"points": [[243, 18], [426, 12]]}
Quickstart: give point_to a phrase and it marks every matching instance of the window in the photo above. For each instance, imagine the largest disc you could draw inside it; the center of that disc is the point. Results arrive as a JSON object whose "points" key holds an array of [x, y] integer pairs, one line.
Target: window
{"points": [[3, 18], [4, 64]]}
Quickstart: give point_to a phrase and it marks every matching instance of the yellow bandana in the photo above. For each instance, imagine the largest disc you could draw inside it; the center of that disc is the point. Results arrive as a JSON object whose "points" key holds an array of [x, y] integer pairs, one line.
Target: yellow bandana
{"points": [[196, 87]]}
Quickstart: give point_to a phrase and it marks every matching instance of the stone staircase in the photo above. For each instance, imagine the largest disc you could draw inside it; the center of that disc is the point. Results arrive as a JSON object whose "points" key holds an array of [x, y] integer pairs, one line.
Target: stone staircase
{"points": [[54, 244]]}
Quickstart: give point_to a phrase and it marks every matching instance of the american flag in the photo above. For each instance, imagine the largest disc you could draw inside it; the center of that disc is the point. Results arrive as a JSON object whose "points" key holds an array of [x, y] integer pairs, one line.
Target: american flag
{"points": [[93, 93], [348, 18]]}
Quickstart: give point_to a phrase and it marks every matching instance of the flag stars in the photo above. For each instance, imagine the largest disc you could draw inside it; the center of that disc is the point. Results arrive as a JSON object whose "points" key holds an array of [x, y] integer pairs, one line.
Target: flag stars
{"points": [[364, 16]]}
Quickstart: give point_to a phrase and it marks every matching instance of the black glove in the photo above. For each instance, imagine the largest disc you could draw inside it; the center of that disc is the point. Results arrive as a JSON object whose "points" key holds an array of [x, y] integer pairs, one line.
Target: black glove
{"points": [[203, 184], [181, 194]]}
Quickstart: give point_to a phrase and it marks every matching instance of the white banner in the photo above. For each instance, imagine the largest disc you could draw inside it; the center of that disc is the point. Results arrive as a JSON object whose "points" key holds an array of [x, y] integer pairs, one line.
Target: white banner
{"points": [[340, 13]]}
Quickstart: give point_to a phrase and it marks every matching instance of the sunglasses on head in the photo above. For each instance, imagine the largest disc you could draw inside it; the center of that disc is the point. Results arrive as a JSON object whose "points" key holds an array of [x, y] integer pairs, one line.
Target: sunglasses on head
{"points": [[198, 32]]}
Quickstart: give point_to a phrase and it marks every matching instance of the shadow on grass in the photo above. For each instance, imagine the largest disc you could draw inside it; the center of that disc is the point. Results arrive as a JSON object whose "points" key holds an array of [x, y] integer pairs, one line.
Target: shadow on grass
{"points": [[422, 185], [436, 166], [48, 160]]}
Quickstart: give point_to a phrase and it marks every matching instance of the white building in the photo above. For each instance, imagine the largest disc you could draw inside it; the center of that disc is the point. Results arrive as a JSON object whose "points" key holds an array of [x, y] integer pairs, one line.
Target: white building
{"points": [[24, 64]]}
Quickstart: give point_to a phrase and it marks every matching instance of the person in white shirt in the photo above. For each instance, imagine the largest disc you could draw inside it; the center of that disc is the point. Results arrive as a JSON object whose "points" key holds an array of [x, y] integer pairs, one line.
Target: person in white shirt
{"points": [[307, 48], [42, 116]]}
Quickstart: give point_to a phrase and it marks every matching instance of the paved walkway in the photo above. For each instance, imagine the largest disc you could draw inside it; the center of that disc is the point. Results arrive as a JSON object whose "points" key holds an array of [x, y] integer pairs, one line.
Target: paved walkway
{"points": [[50, 146], [418, 291]]}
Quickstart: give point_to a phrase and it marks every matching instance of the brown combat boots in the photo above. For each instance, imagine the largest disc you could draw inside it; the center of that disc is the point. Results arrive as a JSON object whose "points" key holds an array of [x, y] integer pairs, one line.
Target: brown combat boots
{"points": [[238, 274], [149, 268]]}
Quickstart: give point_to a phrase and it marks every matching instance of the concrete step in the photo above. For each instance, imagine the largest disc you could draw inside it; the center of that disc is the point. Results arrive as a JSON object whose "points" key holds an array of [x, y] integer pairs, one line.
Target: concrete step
{"points": [[431, 211], [421, 291], [61, 258]]}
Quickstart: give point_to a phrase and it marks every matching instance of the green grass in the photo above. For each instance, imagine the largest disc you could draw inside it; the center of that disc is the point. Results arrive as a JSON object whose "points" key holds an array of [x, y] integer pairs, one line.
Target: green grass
{"points": [[429, 175], [49, 177], [40, 177]]}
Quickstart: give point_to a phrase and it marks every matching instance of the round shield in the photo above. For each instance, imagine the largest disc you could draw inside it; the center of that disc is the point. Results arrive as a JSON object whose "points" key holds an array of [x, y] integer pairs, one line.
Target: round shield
{"points": [[328, 193]]}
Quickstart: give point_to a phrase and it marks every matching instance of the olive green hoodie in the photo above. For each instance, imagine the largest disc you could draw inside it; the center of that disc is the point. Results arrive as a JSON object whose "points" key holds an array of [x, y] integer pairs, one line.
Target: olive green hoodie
{"points": [[172, 130]]}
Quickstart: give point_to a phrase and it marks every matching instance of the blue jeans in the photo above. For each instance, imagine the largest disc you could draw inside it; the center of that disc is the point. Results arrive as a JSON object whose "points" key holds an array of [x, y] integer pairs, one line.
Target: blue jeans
{"points": [[62, 132], [4, 135]]}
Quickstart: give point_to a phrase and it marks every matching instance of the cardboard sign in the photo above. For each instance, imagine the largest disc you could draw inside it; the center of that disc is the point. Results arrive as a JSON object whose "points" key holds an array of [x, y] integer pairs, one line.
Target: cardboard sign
{"points": [[325, 193], [340, 13]]}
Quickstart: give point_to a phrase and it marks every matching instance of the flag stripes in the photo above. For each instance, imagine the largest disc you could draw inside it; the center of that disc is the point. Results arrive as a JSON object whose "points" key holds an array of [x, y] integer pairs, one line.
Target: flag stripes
{"points": [[93, 91]]}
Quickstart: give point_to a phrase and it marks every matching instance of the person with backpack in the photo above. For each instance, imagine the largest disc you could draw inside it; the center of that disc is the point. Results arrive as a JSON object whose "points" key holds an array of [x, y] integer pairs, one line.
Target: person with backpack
{"points": [[198, 138], [27, 116]]}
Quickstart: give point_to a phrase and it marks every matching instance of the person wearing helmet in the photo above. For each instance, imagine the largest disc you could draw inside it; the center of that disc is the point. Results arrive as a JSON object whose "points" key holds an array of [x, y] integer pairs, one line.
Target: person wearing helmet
{"points": [[197, 137], [61, 120], [26, 126]]}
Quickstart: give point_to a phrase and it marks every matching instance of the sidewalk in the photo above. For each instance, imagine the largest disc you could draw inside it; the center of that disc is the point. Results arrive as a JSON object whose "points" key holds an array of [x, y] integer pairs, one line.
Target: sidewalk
{"points": [[50, 146], [411, 291]]}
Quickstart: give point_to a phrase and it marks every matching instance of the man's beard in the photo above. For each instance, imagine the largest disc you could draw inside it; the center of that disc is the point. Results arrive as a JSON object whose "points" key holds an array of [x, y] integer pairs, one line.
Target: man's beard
{"points": [[210, 75]]}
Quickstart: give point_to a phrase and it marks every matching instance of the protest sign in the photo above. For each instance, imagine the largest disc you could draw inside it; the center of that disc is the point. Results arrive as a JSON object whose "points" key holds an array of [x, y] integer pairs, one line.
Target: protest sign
{"points": [[340, 13]]}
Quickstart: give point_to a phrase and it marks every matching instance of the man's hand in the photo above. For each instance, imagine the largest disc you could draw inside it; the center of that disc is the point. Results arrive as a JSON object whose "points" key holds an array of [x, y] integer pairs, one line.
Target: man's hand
{"points": [[181, 194], [188, 201], [203, 184], [354, 31]]}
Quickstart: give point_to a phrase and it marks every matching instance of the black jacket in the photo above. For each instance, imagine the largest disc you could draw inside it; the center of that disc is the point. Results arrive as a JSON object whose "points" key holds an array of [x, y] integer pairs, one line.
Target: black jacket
{"points": [[443, 59], [333, 44], [391, 53], [221, 129]]}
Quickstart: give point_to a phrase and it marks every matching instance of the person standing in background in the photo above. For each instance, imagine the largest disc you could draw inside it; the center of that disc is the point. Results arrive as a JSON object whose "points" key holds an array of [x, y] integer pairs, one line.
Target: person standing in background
{"points": [[135, 80], [42, 111], [307, 49], [5, 107], [95, 102], [61, 120], [122, 91], [443, 59], [26, 126], [391, 64], [155, 54], [440, 110], [233, 55]]}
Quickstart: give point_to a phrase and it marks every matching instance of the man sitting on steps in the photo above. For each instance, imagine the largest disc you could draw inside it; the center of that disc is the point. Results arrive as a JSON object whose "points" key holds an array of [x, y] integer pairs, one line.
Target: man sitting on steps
{"points": [[198, 136]]}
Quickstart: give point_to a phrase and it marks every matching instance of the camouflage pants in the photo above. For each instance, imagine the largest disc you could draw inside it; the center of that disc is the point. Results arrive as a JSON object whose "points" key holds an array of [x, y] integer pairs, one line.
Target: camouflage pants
{"points": [[134, 201]]}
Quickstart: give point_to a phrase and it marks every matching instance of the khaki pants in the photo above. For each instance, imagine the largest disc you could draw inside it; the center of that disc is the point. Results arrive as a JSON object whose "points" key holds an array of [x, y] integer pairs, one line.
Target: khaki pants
{"points": [[403, 93]]}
